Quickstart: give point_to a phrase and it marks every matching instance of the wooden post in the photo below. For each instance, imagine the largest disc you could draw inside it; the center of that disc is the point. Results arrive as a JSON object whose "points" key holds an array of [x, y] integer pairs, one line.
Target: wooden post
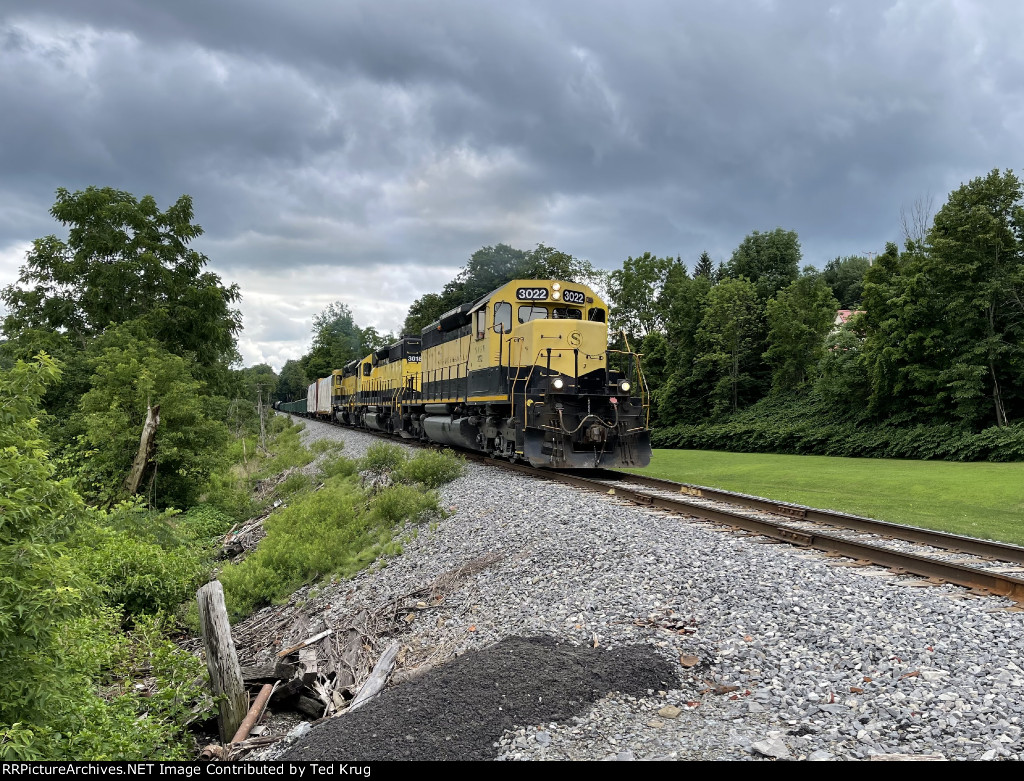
{"points": [[221, 660]]}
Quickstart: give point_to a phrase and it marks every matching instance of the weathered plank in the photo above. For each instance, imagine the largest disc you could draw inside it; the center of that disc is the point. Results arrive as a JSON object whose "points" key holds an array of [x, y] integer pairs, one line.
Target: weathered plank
{"points": [[350, 649], [308, 665], [221, 659], [377, 678], [268, 673], [303, 644]]}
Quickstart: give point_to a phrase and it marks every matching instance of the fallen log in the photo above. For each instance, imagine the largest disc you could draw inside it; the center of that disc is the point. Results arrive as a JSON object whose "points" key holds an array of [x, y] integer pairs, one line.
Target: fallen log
{"points": [[377, 678], [288, 689], [311, 707]]}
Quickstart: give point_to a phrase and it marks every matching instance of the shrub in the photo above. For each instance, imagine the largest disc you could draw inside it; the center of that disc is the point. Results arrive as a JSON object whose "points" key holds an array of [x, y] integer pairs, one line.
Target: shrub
{"points": [[126, 723], [804, 427], [305, 541], [402, 502], [294, 483], [432, 468], [383, 457], [287, 451], [140, 559], [140, 576], [334, 467], [336, 530], [203, 523], [327, 446]]}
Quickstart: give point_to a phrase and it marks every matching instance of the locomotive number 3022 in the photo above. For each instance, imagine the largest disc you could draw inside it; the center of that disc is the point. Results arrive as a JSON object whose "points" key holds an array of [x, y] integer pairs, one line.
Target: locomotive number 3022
{"points": [[573, 297], [532, 293]]}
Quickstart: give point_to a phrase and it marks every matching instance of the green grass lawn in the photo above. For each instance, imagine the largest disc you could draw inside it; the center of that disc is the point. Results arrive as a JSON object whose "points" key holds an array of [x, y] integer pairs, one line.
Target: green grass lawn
{"points": [[976, 499]]}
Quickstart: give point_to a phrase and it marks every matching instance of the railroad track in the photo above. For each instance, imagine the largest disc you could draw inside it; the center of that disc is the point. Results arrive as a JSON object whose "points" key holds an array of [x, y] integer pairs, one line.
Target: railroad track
{"points": [[981, 565]]}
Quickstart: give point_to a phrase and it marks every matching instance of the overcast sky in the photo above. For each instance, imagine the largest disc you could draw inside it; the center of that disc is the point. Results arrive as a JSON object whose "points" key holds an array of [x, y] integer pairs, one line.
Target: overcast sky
{"points": [[362, 151]]}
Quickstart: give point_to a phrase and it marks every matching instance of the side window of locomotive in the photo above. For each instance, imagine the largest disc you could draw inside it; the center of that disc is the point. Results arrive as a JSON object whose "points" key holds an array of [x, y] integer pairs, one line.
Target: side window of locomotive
{"points": [[566, 313], [367, 368], [481, 323], [503, 317], [596, 315], [528, 313]]}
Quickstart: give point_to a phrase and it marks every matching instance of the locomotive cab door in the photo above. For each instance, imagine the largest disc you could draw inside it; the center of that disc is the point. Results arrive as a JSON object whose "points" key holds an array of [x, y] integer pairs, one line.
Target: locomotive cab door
{"points": [[481, 339]]}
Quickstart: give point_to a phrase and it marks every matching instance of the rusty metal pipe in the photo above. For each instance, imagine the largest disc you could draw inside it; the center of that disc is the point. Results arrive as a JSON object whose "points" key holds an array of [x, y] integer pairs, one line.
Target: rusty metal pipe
{"points": [[254, 714]]}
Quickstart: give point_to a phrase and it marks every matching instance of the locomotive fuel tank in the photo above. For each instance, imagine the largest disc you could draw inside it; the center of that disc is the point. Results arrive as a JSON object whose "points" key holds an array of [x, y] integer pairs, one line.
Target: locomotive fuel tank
{"points": [[457, 432]]}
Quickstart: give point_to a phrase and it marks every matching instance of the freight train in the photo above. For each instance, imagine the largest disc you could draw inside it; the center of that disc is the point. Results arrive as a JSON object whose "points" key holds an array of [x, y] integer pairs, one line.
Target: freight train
{"points": [[524, 373]]}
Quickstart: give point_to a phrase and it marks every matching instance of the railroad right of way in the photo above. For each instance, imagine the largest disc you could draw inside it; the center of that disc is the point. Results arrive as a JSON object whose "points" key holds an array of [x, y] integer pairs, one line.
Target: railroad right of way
{"points": [[779, 652]]}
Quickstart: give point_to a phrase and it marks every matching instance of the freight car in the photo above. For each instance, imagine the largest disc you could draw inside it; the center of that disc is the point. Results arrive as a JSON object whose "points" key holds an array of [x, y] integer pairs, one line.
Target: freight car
{"points": [[522, 373]]}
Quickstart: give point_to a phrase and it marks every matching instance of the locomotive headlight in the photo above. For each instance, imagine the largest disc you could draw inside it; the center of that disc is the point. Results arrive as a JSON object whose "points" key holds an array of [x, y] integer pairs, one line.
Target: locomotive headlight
{"points": [[558, 384], [556, 295], [624, 386], [556, 286]]}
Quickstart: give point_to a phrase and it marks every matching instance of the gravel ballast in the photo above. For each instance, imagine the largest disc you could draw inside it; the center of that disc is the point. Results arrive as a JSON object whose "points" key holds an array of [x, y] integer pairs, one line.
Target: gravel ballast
{"points": [[777, 652]]}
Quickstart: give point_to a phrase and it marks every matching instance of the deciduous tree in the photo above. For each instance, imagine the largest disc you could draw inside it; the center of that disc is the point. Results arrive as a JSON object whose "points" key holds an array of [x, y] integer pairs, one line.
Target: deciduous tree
{"points": [[729, 344], [126, 260], [975, 261], [635, 290], [291, 383], [799, 318], [130, 373], [770, 260], [846, 278]]}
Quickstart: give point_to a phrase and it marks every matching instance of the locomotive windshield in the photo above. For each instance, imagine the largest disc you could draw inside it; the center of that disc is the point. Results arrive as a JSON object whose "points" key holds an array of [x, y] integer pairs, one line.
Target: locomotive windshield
{"points": [[528, 313], [566, 313]]}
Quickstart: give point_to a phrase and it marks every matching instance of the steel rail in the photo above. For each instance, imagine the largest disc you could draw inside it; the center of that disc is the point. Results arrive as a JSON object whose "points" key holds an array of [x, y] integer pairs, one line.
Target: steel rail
{"points": [[951, 542], [998, 584]]}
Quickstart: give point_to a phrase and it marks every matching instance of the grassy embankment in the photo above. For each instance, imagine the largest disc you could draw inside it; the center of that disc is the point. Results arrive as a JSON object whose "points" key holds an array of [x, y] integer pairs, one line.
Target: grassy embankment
{"points": [[976, 499]]}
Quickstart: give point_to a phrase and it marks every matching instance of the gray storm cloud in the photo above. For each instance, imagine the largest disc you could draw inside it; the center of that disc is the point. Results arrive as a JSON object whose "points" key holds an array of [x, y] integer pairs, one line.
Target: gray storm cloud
{"points": [[386, 134]]}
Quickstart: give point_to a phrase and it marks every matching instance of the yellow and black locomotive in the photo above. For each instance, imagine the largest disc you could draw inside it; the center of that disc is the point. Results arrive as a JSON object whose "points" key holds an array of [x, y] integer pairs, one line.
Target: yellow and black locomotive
{"points": [[522, 373]]}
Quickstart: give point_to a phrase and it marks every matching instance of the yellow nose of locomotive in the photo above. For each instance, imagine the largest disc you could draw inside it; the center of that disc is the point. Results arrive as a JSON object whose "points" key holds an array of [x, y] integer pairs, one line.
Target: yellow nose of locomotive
{"points": [[569, 347]]}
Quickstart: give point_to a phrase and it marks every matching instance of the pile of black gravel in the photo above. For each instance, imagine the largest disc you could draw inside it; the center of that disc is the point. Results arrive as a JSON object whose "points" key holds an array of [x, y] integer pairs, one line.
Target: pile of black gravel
{"points": [[459, 710]]}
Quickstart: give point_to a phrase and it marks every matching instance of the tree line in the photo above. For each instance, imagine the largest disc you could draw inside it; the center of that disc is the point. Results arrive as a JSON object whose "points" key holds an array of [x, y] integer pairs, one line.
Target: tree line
{"points": [[935, 341]]}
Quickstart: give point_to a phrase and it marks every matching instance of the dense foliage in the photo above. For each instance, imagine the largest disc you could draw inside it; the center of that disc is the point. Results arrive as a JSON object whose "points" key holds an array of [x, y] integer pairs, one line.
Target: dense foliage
{"points": [[342, 526], [124, 260], [749, 355], [67, 574], [803, 426]]}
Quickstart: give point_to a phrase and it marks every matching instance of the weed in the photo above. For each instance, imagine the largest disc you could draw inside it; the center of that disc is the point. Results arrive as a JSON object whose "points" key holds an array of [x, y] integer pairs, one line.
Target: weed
{"points": [[383, 457], [432, 468]]}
